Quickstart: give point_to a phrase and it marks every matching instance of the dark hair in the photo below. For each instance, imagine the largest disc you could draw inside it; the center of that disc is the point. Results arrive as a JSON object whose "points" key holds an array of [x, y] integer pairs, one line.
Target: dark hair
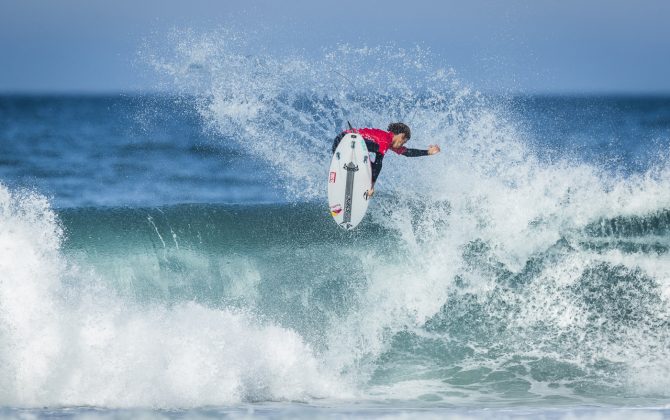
{"points": [[399, 128]]}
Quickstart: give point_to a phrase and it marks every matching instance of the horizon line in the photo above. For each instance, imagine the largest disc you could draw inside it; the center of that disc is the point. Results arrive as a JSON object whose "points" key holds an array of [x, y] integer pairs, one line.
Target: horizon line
{"points": [[157, 92]]}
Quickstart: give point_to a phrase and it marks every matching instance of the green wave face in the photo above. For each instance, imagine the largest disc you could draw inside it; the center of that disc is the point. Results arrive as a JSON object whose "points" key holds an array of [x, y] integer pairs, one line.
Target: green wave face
{"points": [[576, 323]]}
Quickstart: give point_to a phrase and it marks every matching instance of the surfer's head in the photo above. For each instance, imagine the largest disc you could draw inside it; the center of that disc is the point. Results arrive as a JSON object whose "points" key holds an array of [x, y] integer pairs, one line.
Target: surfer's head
{"points": [[401, 133]]}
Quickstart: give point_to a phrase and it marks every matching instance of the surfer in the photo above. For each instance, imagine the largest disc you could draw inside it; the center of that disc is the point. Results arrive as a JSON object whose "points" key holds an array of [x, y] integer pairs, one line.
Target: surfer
{"points": [[379, 142]]}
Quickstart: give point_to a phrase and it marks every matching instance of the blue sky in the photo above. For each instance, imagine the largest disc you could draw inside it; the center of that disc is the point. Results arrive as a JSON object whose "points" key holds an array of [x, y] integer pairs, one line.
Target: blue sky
{"points": [[563, 46]]}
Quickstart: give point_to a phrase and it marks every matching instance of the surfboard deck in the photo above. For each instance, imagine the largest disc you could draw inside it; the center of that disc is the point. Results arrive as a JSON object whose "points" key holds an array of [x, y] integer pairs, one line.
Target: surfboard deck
{"points": [[349, 180]]}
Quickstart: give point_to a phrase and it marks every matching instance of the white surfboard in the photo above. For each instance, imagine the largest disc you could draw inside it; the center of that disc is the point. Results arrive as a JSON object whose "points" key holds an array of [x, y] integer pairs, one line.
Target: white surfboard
{"points": [[349, 180]]}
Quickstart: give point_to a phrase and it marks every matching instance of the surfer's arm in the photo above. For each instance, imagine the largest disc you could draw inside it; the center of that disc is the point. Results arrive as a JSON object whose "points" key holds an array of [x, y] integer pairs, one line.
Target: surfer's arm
{"points": [[414, 152], [432, 149], [376, 167]]}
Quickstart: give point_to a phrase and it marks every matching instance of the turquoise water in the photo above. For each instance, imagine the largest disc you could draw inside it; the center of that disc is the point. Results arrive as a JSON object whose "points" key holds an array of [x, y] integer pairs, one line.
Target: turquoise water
{"points": [[173, 256]]}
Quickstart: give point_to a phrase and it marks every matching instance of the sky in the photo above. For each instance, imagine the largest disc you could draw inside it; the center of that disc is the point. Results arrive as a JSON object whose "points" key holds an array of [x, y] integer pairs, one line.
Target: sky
{"points": [[525, 46]]}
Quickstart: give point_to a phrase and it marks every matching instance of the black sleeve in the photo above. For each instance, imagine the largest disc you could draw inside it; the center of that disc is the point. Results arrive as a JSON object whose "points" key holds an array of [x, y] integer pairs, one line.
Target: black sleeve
{"points": [[415, 152], [376, 167]]}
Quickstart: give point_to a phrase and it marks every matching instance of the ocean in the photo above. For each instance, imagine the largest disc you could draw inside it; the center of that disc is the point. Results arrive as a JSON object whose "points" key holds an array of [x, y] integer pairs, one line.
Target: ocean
{"points": [[172, 255]]}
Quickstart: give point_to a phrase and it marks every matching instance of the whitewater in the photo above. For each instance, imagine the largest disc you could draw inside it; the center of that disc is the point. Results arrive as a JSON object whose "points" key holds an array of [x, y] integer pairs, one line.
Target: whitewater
{"points": [[194, 266]]}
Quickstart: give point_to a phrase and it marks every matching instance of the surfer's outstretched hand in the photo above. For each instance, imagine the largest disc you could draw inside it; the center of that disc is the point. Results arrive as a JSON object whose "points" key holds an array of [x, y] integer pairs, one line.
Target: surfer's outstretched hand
{"points": [[371, 192], [433, 149]]}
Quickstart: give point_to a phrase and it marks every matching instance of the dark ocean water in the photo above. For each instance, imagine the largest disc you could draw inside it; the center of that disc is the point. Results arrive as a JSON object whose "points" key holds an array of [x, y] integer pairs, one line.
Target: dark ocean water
{"points": [[175, 253], [122, 150]]}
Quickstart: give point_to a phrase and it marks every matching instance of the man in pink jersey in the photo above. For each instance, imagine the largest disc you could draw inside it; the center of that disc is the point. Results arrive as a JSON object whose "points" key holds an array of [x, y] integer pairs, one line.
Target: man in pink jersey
{"points": [[380, 141]]}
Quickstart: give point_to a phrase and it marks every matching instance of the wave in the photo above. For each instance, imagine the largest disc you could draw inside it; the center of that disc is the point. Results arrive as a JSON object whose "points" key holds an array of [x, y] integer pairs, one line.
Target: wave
{"points": [[202, 252], [373, 310], [277, 303], [495, 281], [69, 339]]}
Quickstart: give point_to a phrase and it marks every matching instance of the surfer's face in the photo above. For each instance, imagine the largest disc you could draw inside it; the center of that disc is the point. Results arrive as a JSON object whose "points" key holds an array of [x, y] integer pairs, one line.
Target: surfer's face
{"points": [[399, 140]]}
